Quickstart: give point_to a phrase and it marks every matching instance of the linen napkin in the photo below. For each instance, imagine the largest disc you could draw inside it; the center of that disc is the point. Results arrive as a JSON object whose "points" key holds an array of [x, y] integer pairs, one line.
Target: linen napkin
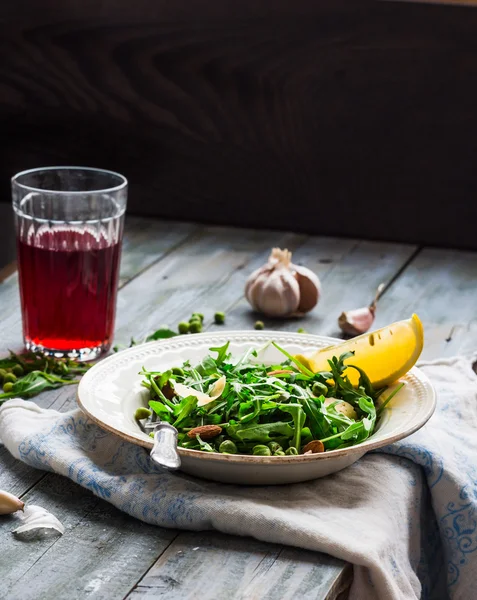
{"points": [[404, 516]]}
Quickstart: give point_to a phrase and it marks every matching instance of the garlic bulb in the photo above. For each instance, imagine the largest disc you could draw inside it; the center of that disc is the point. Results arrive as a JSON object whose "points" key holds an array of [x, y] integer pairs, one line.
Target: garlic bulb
{"points": [[360, 320], [280, 288], [9, 503]]}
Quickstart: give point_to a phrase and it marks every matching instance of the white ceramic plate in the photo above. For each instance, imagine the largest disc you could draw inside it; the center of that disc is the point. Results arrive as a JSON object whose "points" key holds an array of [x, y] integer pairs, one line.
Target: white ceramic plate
{"points": [[110, 393]]}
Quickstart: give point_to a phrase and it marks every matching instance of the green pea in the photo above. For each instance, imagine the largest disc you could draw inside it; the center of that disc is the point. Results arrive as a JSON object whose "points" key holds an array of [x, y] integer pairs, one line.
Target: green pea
{"points": [[142, 413], [274, 446], [2, 374], [177, 371], [261, 450], [259, 325], [228, 447], [9, 378], [63, 367], [18, 370], [291, 451], [219, 318], [279, 453], [195, 327], [197, 316], [7, 387], [319, 389], [183, 327], [300, 330]]}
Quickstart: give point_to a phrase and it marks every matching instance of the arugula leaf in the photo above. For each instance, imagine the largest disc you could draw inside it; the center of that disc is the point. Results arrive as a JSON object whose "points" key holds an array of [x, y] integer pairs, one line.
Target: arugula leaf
{"points": [[364, 382], [34, 383], [164, 378], [299, 417], [184, 409], [316, 419], [260, 433], [163, 333], [162, 410], [294, 360], [222, 353], [245, 415], [208, 366]]}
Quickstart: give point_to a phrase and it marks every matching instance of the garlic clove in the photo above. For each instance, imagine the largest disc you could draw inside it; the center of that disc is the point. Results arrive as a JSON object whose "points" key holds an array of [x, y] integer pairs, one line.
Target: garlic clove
{"points": [[356, 322], [254, 290], [310, 288], [360, 320], [279, 295], [9, 503], [250, 286]]}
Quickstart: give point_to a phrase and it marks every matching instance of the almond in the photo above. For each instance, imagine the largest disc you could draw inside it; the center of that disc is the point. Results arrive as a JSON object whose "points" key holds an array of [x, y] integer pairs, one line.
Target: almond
{"points": [[315, 446], [206, 432]]}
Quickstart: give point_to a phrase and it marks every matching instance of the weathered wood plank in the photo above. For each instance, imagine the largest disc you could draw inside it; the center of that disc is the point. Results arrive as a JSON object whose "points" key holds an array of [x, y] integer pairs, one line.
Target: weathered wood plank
{"points": [[146, 241], [210, 565], [101, 555], [350, 272], [298, 573], [207, 273], [440, 286]]}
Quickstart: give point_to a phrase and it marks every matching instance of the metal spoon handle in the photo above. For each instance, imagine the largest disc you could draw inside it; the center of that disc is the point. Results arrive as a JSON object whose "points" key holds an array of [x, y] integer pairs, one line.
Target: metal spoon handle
{"points": [[164, 451]]}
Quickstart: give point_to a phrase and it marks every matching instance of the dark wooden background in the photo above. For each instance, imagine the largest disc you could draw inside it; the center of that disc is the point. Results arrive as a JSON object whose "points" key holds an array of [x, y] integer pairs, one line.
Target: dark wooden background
{"points": [[344, 117]]}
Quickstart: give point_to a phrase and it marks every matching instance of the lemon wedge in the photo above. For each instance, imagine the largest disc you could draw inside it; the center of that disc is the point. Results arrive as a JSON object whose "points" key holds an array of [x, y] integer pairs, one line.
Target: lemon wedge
{"points": [[385, 355]]}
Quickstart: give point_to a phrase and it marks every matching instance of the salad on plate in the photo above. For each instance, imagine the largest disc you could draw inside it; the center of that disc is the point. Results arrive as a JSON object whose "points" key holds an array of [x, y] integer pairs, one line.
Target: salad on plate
{"points": [[239, 405]]}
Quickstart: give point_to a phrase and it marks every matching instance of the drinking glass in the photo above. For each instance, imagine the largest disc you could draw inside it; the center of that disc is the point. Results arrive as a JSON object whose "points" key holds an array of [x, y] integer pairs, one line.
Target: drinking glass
{"points": [[69, 224]]}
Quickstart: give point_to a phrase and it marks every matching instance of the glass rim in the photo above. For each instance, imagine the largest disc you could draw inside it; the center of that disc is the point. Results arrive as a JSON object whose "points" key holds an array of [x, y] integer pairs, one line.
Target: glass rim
{"points": [[115, 188]]}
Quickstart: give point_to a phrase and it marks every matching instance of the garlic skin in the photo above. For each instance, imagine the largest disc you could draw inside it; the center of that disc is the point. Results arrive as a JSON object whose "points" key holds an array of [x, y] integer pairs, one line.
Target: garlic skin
{"points": [[37, 524], [280, 288], [9, 503], [360, 320]]}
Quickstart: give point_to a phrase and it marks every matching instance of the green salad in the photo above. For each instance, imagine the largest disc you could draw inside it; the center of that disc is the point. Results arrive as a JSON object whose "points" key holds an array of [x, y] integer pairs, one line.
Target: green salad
{"points": [[238, 405]]}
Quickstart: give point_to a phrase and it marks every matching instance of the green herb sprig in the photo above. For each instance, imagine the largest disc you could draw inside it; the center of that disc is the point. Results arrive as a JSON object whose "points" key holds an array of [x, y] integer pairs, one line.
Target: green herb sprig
{"points": [[28, 374]]}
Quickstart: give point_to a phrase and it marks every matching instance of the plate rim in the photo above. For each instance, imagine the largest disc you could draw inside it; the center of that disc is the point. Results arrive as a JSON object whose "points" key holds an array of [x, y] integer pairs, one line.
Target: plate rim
{"points": [[366, 446]]}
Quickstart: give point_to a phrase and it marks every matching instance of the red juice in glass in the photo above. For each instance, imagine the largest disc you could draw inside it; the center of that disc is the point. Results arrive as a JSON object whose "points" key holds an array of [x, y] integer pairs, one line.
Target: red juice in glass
{"points": [[68, 282], [69, 224]]}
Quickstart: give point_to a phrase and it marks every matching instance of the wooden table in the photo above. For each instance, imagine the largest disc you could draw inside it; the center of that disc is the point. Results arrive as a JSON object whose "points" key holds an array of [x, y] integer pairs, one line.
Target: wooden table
{"points": [[168, 271]]}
